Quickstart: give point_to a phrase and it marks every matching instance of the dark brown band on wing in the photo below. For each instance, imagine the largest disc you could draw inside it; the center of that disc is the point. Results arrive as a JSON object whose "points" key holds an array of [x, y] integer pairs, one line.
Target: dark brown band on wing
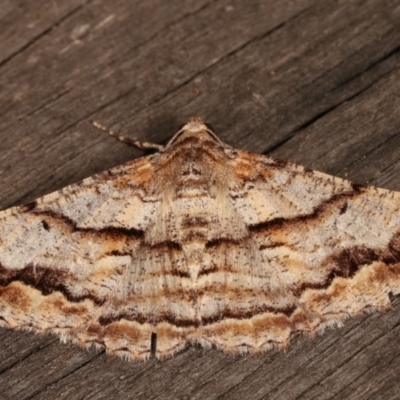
{"points": [[186, 323], [109, 230], [280, 222], [248, 314], [149, 319], [393, 253], [224, 241], [46, 280], [348, 262]]}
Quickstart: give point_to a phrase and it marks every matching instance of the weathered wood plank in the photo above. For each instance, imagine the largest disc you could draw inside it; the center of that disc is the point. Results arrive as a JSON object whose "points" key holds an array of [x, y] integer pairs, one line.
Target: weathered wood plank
{"points": [[314, 82], [23, 23]]}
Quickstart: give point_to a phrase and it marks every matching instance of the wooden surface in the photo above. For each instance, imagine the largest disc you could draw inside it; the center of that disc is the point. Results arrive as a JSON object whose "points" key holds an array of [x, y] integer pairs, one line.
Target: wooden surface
{"points": [[316, 82]]}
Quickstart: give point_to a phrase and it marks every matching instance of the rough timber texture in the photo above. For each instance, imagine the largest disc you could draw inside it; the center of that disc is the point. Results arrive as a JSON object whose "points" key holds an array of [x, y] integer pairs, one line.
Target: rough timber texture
{"points": [[314, 82]]}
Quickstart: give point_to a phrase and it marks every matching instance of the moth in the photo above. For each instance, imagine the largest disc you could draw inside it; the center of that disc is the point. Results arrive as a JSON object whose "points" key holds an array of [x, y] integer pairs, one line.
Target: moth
{"points": [[198, 243]]}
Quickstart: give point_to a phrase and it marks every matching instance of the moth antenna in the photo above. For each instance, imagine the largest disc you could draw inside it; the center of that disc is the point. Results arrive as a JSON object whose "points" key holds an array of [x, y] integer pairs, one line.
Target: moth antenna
{"points": [[133, 142]]}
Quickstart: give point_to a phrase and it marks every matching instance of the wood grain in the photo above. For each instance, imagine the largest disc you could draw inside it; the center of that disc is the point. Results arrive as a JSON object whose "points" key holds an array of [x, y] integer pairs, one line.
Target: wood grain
{"points": [[314, 82]]}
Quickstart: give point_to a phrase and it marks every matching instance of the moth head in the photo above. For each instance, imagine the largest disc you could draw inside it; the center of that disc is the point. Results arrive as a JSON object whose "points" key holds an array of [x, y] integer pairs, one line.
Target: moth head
{"points": [[195, 127]]}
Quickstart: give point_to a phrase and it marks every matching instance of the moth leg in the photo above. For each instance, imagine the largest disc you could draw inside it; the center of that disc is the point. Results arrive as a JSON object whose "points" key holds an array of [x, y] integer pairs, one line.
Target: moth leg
{"points": [[137, 143], [153, 345]]}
